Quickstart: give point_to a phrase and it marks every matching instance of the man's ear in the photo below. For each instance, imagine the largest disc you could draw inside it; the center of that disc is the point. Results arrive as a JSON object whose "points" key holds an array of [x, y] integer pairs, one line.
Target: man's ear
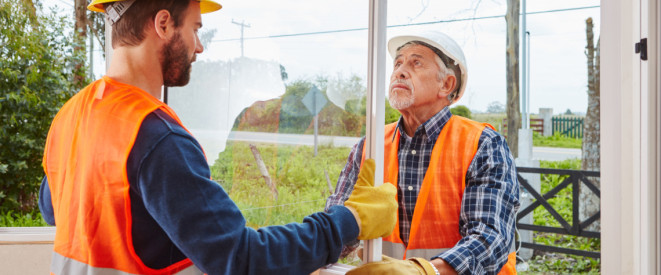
{"points": [[163, 24], [447, 85]]}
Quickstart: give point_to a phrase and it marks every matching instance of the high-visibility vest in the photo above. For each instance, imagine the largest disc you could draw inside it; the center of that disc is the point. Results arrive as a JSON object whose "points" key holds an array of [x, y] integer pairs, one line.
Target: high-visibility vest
{"points": [[435, 223], [85, 162]]}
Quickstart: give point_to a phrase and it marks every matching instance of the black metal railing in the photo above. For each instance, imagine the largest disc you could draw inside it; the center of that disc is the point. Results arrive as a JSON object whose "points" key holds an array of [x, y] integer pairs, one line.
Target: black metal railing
{"points": [[577, 227]]}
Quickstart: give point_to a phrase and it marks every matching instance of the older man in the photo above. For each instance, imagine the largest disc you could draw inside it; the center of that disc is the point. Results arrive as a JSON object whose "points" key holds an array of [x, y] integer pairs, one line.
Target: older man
{"points": [[456, 181]]}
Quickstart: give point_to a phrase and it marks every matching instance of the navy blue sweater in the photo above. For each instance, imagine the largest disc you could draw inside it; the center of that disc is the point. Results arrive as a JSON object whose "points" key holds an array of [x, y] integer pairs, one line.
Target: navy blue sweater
{"points": [[178, 212]]}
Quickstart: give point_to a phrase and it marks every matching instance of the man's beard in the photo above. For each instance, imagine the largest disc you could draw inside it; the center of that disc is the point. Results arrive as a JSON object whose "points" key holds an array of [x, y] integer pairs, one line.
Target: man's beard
{"points": [[398, 100], [175, 63]]}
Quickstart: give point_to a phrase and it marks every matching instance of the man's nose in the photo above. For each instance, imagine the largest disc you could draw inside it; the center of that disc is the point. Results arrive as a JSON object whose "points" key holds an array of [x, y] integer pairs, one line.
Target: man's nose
{"points": [[401, 72], [198, 45]]}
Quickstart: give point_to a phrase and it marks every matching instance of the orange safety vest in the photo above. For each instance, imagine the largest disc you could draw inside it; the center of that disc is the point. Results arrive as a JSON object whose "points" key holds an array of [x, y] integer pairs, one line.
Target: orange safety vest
{"points": [[85, 162], [435, 223]]}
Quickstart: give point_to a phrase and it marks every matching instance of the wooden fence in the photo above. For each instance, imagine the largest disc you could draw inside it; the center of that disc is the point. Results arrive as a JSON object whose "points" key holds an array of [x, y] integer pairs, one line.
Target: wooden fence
{"points": [[536, 124]]}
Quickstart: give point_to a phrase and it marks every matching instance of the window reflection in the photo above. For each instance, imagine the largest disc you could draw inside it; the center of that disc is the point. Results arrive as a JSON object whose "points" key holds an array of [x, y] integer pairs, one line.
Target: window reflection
{"points": [[247, 102]]}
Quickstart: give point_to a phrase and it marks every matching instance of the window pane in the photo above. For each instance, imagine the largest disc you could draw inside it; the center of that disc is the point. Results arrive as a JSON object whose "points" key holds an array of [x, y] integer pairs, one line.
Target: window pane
{"points": [[258, 96]]}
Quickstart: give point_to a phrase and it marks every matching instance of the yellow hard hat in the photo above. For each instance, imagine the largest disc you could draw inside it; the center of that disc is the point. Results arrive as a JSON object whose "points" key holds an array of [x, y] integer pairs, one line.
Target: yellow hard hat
{"points": [[206, 6]]}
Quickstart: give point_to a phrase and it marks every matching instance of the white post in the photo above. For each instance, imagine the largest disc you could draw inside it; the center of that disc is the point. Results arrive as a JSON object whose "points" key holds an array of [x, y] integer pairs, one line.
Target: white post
{"points": [[524, 74], [527, 79], [316, 130], [375, 116], [375, 104], [547, 115]]}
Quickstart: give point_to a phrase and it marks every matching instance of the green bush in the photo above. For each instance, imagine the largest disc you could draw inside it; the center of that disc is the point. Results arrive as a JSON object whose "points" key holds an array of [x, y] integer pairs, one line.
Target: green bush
{"points": [[461, 110], [392, 115], [36, 73]]}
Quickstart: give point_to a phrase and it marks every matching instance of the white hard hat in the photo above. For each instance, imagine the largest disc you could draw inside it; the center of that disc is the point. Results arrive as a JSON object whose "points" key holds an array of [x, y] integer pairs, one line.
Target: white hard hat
{"points": [[443, 43]]}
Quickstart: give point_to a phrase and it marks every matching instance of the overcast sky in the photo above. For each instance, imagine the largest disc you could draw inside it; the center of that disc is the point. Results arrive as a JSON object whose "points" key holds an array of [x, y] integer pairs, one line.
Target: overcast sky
{"points": [[312, 38]]}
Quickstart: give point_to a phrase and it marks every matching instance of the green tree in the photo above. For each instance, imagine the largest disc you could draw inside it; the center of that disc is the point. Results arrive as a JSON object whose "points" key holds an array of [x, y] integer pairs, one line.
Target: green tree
{"points": [[461, 110], [294, 116], [495, 107], [392, 115], [37, 69]]}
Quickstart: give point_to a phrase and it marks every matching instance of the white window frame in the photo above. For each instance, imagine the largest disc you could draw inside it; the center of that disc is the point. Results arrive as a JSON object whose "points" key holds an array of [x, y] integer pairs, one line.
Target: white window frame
{"points": [[629, 138]]}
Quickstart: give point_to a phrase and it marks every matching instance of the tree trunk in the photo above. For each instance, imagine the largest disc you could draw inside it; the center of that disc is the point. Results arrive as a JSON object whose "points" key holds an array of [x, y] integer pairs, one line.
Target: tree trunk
{"points": [[80, 36], [512, 56], [32, 13], [590, 148]]}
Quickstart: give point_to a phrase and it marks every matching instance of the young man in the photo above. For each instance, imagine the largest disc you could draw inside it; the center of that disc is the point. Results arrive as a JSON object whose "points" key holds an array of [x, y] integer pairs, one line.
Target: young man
{"points": [[457, 188], [128, 188]]}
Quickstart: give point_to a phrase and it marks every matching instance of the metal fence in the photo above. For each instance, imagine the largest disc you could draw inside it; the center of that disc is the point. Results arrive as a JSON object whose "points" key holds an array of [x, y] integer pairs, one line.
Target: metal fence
{"points": [[577, 227], [570, 126]]}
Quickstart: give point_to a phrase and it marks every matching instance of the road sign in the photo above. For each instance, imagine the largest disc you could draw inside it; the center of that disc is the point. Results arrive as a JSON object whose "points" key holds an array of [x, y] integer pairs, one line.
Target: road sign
{"points": [[314, 100]]}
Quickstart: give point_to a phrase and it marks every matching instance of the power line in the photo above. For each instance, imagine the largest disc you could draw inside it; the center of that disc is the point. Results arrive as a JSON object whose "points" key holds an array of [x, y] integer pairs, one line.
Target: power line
{"points": [[68, 4], [400, 25]]}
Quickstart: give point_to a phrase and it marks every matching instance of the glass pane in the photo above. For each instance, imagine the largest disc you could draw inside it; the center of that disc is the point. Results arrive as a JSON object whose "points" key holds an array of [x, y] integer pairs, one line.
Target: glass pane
{"points": [[267, 69], [557, 83]]}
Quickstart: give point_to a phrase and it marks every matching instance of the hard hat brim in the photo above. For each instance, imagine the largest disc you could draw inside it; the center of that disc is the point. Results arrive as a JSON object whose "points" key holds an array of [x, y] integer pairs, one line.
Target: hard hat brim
{"points": [[206, 6]]}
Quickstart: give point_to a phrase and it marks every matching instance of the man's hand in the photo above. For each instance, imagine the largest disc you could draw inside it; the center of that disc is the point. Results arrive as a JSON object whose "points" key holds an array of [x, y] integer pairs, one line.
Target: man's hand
{"points": [[391, 266], [375, 208]]}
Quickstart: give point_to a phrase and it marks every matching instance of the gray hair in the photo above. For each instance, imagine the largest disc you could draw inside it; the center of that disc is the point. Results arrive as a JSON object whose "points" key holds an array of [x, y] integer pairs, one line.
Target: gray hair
{"points": [[446, 64]]}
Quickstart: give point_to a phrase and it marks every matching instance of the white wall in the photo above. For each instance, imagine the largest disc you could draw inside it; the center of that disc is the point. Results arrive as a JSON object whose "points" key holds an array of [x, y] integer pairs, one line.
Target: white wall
{"points": [[26, 250]]}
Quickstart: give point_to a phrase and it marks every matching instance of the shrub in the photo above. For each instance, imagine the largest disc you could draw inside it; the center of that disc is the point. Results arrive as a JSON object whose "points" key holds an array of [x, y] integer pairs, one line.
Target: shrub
{"points": [[36, 73], [461, 110]]}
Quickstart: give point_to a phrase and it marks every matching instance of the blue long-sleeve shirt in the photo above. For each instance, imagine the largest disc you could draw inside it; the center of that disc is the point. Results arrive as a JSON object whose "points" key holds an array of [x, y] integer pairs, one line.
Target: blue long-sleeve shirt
{"points": [[178, 212], [489, 203]]}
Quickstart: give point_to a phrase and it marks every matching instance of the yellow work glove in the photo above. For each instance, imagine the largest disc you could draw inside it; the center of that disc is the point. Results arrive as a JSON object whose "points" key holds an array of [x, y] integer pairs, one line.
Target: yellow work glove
{"points": [[375, 208], [391, 266]]}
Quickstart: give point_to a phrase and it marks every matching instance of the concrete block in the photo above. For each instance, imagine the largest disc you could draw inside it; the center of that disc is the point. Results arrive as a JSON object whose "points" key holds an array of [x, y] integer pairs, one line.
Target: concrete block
{"points": [[547, 115]]}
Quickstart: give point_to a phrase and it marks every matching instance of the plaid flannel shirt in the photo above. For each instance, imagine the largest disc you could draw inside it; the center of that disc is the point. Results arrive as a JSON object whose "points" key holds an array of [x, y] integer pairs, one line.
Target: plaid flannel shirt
{"points": [[489, 204]]}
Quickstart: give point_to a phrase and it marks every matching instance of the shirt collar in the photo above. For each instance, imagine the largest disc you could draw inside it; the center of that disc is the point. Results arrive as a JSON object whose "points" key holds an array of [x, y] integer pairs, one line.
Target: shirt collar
{"points": [[432, 127]]}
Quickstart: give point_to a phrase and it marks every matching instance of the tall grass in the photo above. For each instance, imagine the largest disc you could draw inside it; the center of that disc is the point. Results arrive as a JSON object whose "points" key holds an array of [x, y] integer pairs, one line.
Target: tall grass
{"points": [[298, 175]]}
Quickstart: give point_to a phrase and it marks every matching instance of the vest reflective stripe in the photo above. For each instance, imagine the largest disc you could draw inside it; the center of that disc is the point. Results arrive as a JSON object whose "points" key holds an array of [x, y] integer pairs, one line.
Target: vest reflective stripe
{"points": [[435, 222], [396, 250], [85, 161], [64, 265]]}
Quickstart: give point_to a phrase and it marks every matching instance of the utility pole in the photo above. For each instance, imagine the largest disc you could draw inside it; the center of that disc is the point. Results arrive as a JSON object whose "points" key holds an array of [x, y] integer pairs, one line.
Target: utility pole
{"points": [[242, 24], [524, 78], [512, 63]]}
